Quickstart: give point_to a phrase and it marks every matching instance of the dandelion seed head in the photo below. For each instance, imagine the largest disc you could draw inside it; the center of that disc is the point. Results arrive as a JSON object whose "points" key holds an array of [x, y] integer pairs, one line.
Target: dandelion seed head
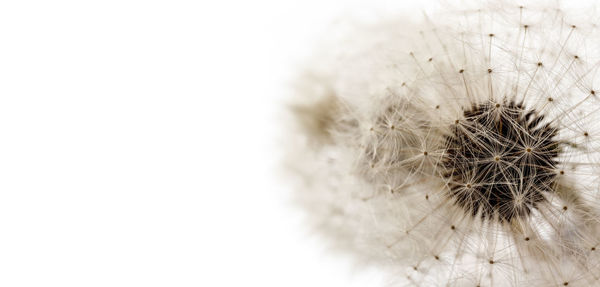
{"points": [[461, 150]]}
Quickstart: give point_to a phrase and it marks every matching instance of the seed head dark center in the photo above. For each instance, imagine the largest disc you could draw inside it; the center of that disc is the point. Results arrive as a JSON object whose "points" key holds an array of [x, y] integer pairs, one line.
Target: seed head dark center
{"points": [[501, 161]]}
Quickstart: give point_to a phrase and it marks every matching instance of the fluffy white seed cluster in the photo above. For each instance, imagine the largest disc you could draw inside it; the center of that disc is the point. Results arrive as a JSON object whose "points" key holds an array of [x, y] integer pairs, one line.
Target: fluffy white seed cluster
{"points": [[460, 151]]}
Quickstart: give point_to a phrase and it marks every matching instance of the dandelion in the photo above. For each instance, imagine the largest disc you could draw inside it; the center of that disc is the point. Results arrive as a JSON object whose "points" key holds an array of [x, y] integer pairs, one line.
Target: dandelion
{"points": [[460, 151]]}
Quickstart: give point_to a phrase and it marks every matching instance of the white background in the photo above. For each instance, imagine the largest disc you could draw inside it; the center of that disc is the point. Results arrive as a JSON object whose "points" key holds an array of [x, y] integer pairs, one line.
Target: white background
{"points": [[139, 144]]}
